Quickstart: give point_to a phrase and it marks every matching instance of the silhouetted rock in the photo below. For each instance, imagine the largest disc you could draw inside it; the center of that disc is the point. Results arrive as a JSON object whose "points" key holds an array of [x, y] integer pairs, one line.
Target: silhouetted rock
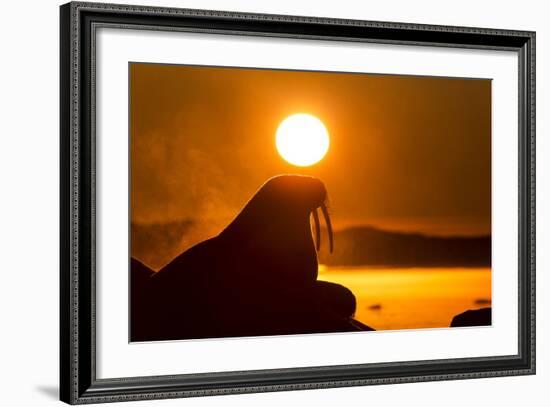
{"points": [[140, 276], [257, 277], [478, 317]]}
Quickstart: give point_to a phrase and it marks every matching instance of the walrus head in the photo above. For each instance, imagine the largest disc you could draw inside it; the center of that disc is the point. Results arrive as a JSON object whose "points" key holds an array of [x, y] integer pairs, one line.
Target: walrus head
{"points": [[274, 227], [293, 196]]}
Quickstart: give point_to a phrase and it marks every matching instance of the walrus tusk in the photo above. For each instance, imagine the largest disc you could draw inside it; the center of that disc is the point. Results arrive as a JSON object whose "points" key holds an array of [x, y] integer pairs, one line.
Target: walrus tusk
{"points": [[317, 229], [329, 226]]}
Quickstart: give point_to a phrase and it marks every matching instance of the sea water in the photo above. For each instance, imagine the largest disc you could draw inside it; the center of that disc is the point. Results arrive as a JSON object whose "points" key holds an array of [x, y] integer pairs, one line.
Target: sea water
{"points": [[411, 298]]}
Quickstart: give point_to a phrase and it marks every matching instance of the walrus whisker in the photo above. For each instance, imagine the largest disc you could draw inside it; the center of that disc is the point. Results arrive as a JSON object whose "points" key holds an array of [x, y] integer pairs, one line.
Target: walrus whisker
{"points": [[317, 229], [329, 226]]}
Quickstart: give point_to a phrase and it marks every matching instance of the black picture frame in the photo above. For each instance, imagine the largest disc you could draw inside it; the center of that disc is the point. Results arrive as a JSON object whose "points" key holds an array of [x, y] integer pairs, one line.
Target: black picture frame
{"points": [[78, 382]]}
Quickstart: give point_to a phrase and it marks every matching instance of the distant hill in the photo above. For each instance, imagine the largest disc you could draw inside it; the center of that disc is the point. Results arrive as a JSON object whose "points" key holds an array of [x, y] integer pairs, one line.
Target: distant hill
{"points": [[370, 246], [157, 244]]}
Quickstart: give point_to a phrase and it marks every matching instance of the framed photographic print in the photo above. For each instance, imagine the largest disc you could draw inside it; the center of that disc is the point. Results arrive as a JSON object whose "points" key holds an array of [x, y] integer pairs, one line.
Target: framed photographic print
{"points": [[256, 203]]}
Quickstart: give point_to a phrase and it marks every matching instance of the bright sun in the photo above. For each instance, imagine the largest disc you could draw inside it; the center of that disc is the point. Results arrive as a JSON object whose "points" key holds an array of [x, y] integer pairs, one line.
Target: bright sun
{"points": [[302, 139]]}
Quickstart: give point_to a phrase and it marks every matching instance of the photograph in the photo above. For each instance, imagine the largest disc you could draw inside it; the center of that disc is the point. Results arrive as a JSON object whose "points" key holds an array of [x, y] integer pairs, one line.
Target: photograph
{"points": [[289, 202]]}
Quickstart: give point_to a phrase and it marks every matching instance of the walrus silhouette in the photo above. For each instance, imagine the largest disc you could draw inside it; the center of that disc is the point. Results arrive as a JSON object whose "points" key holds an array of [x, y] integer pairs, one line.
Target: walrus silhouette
{"points": [[257, 277]]}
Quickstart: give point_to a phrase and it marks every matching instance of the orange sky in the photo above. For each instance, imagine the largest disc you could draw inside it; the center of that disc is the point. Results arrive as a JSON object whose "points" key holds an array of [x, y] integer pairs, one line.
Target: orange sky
{"points": [[407, 153]]}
